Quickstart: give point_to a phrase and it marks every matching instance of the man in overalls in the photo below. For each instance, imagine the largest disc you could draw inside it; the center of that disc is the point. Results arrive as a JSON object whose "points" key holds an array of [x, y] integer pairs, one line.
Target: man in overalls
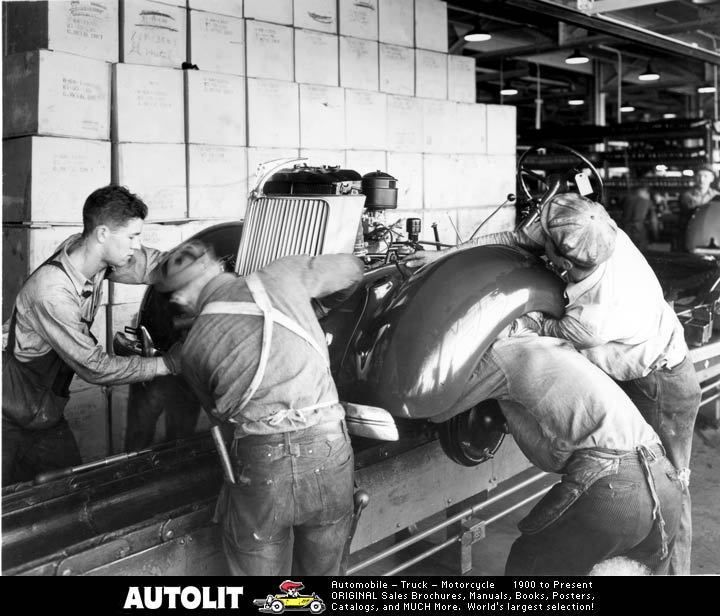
{"points": [[619, 494], [257, 359], [49, 339], [617, 317]]}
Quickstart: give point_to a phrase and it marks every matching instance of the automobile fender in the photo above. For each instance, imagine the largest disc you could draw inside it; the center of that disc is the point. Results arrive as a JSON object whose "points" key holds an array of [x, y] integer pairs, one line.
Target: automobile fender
{"points": [[418, 357]]}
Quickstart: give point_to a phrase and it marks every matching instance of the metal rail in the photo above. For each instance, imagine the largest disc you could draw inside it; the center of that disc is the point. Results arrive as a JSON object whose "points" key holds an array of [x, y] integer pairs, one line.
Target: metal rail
{"points": [[449, 521]]}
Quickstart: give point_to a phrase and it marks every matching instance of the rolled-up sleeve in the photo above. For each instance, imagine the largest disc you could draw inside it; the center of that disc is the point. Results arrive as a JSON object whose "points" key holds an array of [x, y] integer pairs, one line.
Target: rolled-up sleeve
{"points": [[574, 330], [139, 268], [58, 319]]}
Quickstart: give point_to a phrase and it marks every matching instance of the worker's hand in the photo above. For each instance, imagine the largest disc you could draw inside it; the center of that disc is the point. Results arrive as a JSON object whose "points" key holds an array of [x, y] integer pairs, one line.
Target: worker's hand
{"points": [[172, 356], [531, 321], [422, 258]]}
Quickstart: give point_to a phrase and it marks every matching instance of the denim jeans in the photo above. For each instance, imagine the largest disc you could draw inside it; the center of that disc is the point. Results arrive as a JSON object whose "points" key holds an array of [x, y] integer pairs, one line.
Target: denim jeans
{"points": [[603, 507], [669, 401], [290, 510], [25, 453]]}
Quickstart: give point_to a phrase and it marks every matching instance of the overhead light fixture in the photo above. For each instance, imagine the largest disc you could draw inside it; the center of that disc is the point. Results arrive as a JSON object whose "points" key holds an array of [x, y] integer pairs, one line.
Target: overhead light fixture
{"points": [[576, 101], [661, 168], [669, 116], [627, 109], [576, 58], [688, 172], [477, 35], [706, 89], [508, 91], [649, 74]]}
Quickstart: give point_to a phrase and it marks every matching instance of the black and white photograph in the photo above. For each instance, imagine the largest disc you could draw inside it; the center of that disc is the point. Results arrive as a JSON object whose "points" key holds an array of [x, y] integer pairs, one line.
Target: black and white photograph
{"points": [[361, 305]]}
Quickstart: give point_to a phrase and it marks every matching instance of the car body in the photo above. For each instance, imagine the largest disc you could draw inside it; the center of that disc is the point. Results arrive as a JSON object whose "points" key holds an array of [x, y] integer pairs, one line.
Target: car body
{"points": [[277, 604]]}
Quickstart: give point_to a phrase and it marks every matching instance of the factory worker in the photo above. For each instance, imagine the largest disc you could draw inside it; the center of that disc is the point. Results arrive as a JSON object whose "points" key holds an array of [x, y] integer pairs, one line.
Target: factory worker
{"points": [[257, 359], [49, 339], [619, 494]]}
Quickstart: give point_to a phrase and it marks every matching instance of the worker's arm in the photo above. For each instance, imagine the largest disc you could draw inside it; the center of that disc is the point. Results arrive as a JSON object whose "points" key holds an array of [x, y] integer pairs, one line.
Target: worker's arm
{"points": [[139, 268], [532, 240], [580, 332], [320, 276], [58, 318]]}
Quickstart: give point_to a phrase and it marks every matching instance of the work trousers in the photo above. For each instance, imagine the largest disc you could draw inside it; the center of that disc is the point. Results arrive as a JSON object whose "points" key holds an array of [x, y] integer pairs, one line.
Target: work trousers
{"points": [[669, 401], [290, 510], [25, 453], [605, 506]]}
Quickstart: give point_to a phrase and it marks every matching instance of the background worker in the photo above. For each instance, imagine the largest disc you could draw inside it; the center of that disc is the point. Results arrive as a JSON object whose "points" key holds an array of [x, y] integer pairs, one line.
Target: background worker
{"points": [[703, 192], [617, 317], [619, 494], [257, 359], [49, 339], [639, 219]]}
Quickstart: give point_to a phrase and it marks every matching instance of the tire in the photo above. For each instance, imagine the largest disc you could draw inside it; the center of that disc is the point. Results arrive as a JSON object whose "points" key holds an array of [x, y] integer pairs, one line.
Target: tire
{"points": [[277, 607], [316, 607]]}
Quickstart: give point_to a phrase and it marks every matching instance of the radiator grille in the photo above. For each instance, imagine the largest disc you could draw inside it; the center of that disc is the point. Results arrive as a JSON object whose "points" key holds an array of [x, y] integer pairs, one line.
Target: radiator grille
{"points": [[280, 226]]}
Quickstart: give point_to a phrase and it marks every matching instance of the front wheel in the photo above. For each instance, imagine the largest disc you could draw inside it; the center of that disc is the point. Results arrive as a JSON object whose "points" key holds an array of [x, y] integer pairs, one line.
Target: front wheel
{"points": [[277, 607], [316, 607]]}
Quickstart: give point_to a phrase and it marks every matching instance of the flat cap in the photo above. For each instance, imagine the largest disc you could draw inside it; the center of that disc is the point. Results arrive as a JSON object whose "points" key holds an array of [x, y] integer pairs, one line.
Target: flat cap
{"points": [[580, 228]]}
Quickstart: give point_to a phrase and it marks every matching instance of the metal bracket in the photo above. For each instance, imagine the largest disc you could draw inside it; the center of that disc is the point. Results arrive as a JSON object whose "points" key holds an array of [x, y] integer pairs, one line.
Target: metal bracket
{"points": [[473, 530]]}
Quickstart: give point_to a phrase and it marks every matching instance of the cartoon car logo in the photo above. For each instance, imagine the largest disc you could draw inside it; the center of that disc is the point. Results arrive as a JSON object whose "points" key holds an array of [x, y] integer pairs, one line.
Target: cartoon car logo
{"points": [[290, 599]]}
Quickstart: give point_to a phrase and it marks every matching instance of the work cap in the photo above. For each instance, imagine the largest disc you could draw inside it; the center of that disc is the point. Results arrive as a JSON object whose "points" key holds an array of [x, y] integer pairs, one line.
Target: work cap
{"points": [[707, 168], [580, 228], [182, 265]]}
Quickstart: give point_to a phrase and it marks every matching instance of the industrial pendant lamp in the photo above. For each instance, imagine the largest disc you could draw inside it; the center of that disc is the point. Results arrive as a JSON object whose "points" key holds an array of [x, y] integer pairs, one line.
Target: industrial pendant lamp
{"points": [[648, 74], [477, 35], [576, 58], [706, 89], [508, 91], [627, 108]]}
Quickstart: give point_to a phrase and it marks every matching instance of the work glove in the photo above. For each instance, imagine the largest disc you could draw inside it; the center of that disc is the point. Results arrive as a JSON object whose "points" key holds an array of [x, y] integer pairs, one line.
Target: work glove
{"points": [[172, 358]]}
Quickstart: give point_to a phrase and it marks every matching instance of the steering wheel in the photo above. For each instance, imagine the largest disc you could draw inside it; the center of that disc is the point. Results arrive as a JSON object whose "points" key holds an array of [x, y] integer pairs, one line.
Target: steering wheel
{"points": [[558, 182]]}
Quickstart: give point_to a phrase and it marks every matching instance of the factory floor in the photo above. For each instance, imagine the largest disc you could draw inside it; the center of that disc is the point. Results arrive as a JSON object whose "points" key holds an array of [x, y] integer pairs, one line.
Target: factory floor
{"points": [[489, 554]]}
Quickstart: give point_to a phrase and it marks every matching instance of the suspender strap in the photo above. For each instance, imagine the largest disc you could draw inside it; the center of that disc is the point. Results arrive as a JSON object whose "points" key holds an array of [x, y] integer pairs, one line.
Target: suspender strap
{"points": [[262, 307], [256, 289]]}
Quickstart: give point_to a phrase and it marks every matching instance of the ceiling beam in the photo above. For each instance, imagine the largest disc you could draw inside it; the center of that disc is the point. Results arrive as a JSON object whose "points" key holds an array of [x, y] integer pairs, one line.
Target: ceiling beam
{"points": [[613, 27], [589, 41], [604, 6]]}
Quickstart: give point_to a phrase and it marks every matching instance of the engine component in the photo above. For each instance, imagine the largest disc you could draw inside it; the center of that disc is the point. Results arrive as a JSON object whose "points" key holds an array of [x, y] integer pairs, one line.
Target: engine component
{"points": [[304, 180], [413, 226], [380, 190]]}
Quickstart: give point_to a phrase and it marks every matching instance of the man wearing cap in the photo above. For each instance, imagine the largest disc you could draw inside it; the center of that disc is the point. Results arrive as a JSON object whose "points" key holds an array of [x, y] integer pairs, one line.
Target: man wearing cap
{"points": [[49, 339], [702, 193], [617, 317], [258, 361], [619, 494]]}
